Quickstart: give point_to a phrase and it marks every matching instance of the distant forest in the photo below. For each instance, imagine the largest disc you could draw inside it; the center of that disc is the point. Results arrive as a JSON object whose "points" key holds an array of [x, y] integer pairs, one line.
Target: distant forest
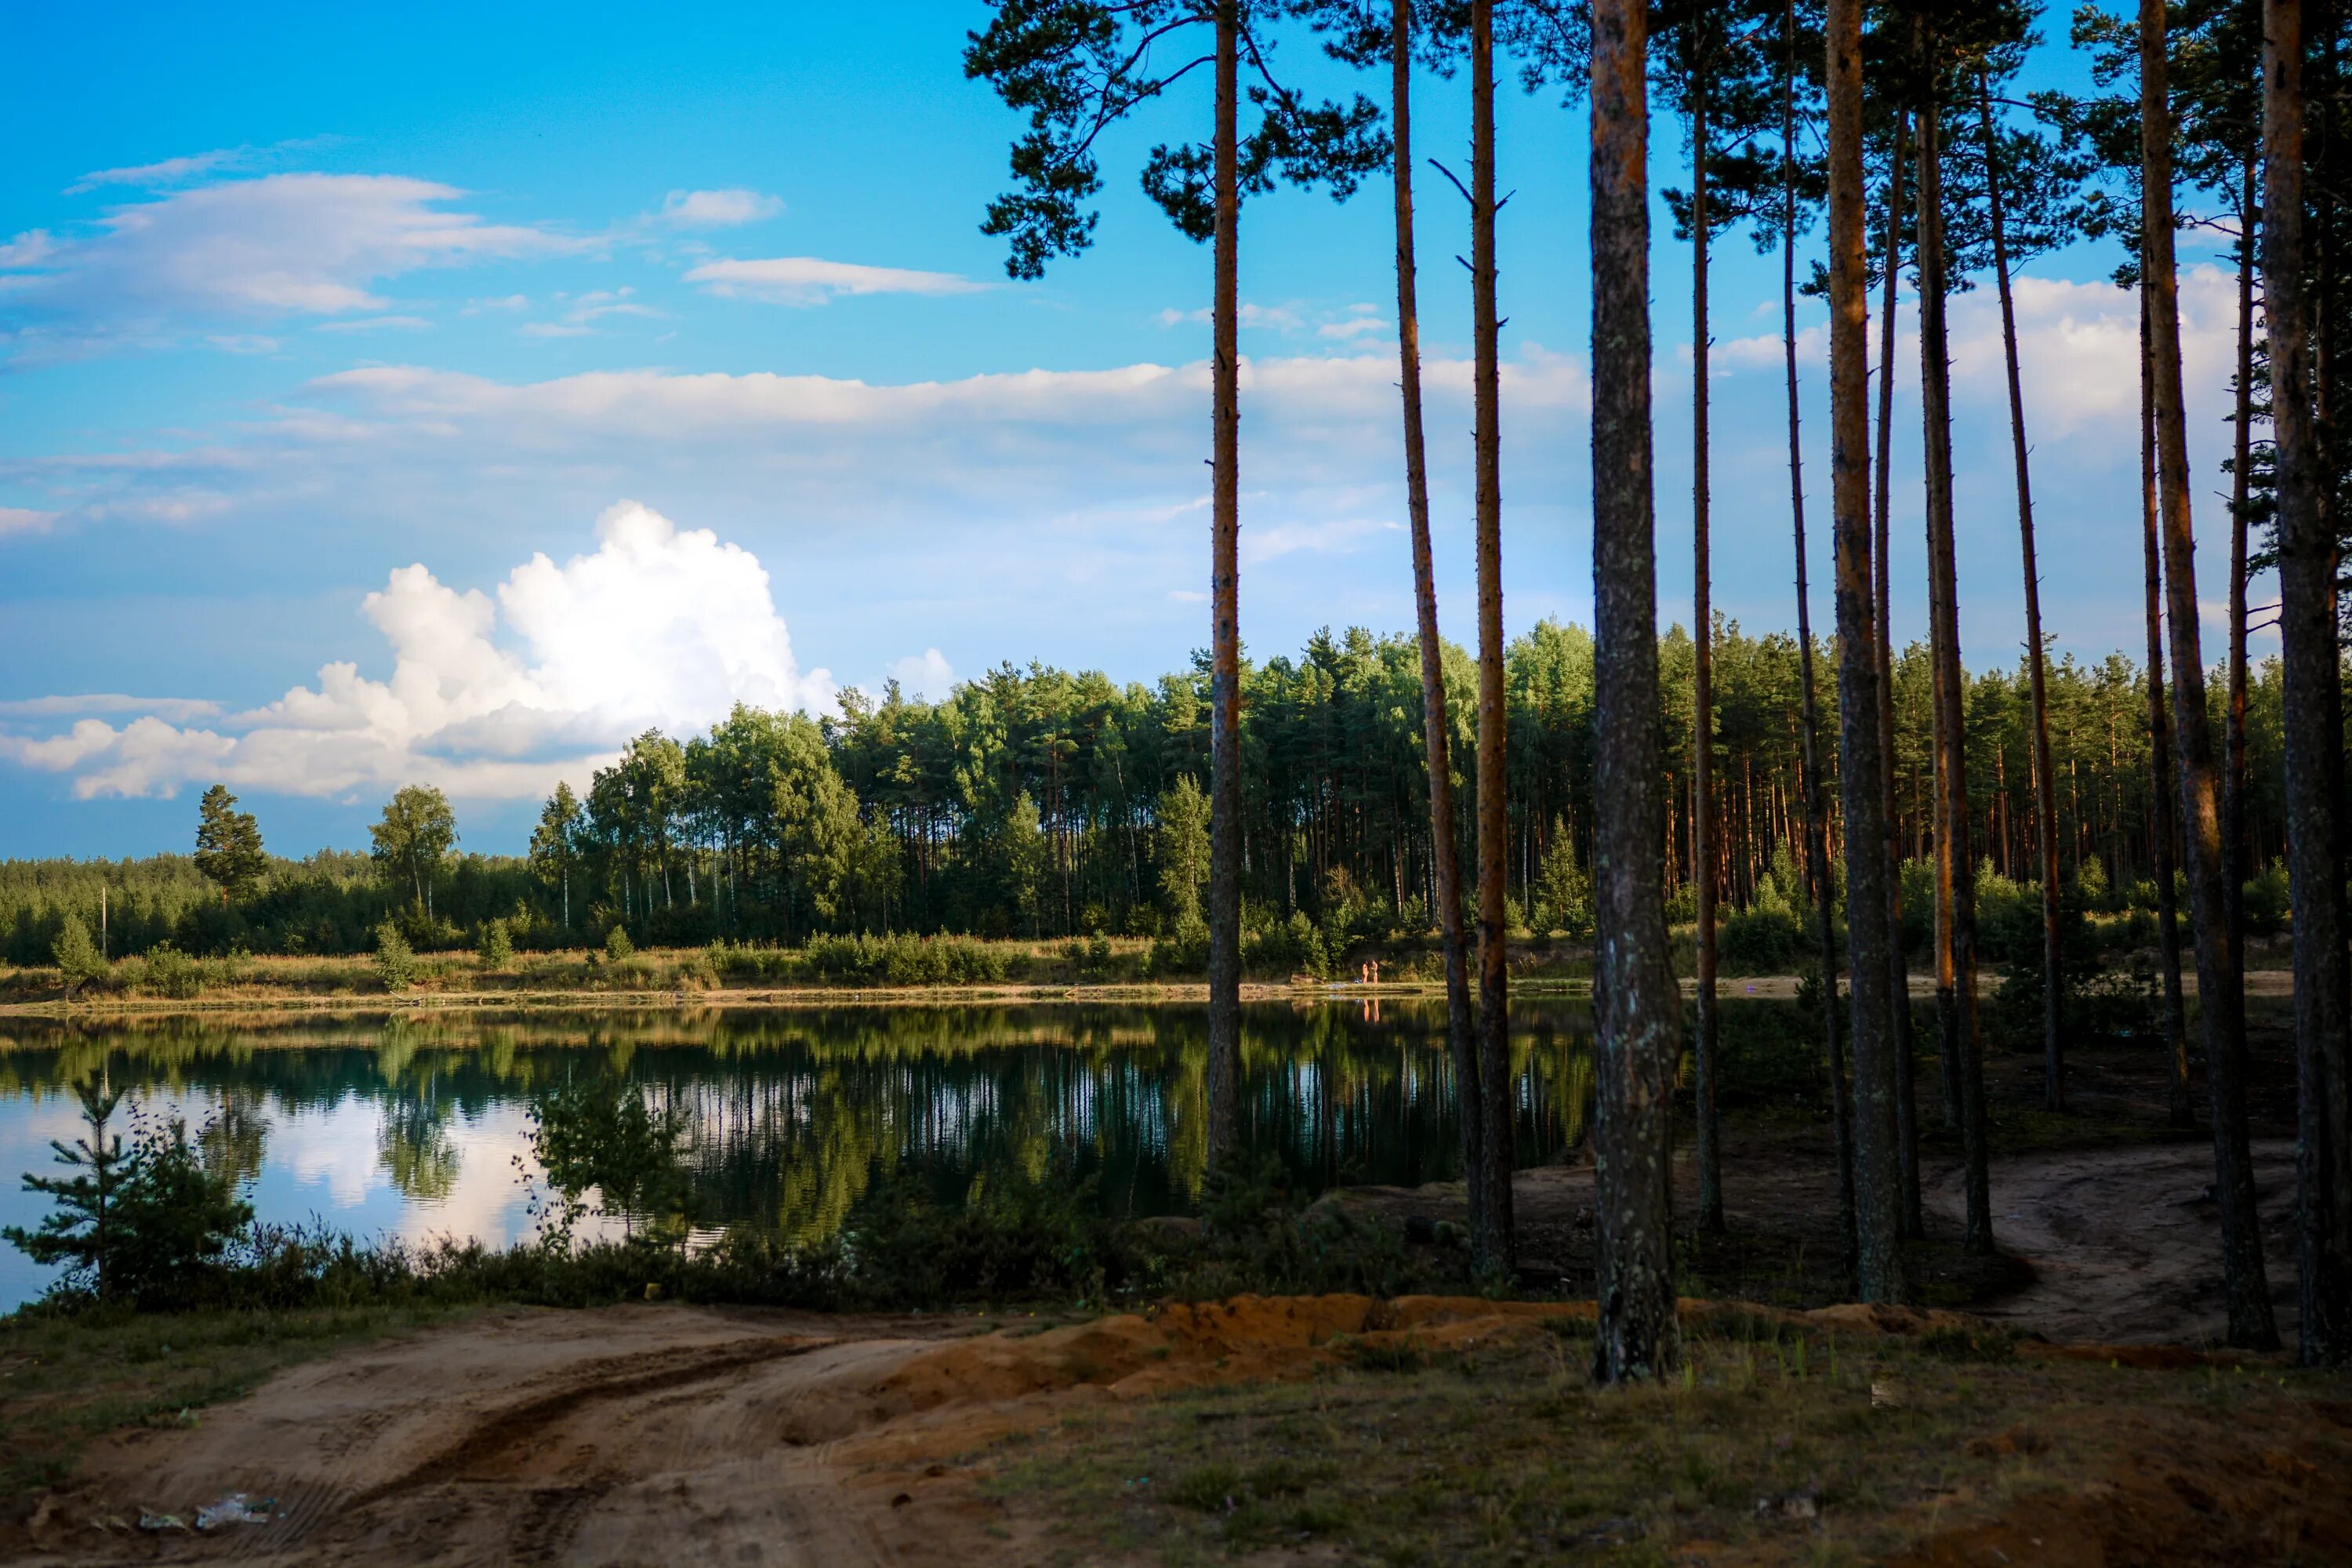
{"points": [[1039, 803]]}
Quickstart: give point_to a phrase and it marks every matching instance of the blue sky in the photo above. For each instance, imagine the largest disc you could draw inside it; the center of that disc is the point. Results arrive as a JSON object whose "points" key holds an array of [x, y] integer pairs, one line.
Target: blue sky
{"points": [[441, 393]]}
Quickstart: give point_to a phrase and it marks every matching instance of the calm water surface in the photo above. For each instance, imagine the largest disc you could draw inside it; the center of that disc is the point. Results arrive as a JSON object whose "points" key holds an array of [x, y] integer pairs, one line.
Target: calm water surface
{"points": [[413, 1127]]}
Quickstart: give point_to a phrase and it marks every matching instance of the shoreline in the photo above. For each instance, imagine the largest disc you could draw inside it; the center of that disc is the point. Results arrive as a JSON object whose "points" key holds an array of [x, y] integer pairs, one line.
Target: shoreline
{"points": [[2263, 983]]}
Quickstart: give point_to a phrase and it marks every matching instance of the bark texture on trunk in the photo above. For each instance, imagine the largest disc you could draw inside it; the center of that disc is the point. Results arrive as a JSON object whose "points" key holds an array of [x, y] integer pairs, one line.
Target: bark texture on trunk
{"points": [[1814, 796], [2220, 1003], [2159, 746], [1956, 959], [1637, 1005], [1898, 967], [2045, 792], [1494, 713], [1225, 656], [1445, 867], [1710, 1167], [1877, 1176], [2314, 703]]}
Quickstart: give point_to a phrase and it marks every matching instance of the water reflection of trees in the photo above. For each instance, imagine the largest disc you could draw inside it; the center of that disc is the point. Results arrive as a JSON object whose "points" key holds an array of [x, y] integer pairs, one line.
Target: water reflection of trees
{"points": [[794, 1116]]}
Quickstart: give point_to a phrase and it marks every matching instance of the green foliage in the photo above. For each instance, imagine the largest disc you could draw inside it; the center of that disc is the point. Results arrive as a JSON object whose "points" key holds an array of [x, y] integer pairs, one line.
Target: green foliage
{"points": [[1563, 892], [149, 1223], [617, 945], [2267, 901], [80, 1231], [904, 961], [1005, 1240], [1263, 1235], [396, 960], [1050, 804], [79, 963], [1181, 844], [229, 845], [1768, 937], [598, 1135], [173, 974], [413, 837], [497, 945]]}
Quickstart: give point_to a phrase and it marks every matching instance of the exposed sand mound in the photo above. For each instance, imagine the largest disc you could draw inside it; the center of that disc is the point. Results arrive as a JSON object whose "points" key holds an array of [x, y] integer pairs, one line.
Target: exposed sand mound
{"points": [[672, 1434]]}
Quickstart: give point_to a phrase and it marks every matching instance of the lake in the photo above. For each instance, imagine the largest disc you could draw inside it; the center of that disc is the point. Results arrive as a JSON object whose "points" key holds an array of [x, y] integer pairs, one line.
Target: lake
{"points": [[414, 1125]]}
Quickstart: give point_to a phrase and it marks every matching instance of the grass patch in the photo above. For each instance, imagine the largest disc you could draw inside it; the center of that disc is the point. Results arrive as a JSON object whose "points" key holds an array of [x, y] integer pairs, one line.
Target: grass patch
{"points": [[1804, 1448], [67, 1378]]}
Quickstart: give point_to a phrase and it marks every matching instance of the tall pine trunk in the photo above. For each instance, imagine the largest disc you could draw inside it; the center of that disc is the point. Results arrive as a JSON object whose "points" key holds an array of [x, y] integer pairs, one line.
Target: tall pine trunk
{"points": [[1812, 786], [2237, 862], [1636, 1026], [2314, 715], [1898, 966], [1956, 965], [1877, 1158], [1225, 656], [1710, 1157], [2160, 746], [2221, 1002], [2045, 792], [1445, 872], [1494, 712]]}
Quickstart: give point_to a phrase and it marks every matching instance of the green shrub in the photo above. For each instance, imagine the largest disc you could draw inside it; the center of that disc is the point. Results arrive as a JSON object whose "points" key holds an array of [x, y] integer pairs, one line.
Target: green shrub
{"points": [[617, 945], [497, 946], [1185, 950], [904, 960], [396, 960], [149, 1223], [79, 963], [173, 974], [2266, 904]]}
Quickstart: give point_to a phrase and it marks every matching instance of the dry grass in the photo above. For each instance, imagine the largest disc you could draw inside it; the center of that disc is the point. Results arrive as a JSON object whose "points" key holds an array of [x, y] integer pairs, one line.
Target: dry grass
{"points": [[1795, 1449]]}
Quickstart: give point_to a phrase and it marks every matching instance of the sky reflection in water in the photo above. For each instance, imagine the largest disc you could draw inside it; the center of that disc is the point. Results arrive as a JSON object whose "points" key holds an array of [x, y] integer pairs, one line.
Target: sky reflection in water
{"points": [[415, 1127]]}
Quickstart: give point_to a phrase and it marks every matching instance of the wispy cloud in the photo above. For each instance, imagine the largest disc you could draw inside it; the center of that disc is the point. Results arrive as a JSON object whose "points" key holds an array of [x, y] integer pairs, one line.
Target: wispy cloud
{"points": [[727, 208], [280, 245], [810, 281], [179, 710], [164, 171], [583, 312], [377, 324]]}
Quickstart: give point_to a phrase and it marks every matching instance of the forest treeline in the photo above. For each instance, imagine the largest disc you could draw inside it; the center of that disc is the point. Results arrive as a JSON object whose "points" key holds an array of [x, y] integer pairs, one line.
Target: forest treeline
{"points": [[1037, 803]]}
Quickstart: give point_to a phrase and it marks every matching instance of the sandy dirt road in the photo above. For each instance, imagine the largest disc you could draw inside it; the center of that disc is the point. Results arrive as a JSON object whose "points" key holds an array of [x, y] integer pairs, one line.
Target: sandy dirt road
{"points": [[662, 1435], [669, 1434], [2124, 1244]]}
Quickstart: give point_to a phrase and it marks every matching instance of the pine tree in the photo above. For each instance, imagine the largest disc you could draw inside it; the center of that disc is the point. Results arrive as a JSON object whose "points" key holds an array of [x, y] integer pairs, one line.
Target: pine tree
{"points": [[1077, 67], [79, 961], [229, 845], [81, 1232]]}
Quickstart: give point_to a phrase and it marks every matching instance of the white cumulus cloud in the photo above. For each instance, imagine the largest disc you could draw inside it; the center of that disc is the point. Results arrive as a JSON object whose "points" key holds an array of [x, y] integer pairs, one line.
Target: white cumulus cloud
{"points": [[927, 675], [488, 697]]}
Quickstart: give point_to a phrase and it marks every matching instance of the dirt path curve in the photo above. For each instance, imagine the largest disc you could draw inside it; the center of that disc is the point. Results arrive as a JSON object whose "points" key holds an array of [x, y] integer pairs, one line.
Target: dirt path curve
{"points": [[2124, 1244], [658, 1436], [662, 1435]]}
